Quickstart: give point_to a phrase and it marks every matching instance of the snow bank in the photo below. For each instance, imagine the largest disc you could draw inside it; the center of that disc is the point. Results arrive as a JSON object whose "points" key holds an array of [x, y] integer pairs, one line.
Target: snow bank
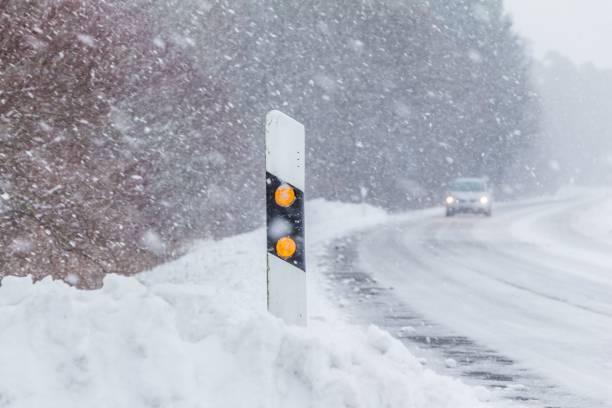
{"points": [[595, 221], [176, 346], [195, 333]]}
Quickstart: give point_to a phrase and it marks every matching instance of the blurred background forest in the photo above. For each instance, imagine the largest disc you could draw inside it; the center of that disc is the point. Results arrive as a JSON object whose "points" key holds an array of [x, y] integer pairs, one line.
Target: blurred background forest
{"points": [[129, 128]]}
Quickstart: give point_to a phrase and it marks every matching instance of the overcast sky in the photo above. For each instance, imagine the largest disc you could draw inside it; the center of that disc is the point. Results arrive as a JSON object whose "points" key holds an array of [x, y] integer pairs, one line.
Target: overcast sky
{"points": [[579, 29]]}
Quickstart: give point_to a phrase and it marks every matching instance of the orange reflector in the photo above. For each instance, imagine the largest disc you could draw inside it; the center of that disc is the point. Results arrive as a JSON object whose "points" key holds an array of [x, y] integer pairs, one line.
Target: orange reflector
{"points": [[284, 195], [285, 247]]}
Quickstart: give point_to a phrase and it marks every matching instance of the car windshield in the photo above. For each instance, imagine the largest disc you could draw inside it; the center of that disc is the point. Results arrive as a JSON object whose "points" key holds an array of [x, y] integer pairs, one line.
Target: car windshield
{"points": [[468, 185]]}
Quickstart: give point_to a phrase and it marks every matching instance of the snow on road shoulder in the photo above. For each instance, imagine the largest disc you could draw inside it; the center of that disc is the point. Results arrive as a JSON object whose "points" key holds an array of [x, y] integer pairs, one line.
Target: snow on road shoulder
{"points": [[195, 333], [596, 222]]}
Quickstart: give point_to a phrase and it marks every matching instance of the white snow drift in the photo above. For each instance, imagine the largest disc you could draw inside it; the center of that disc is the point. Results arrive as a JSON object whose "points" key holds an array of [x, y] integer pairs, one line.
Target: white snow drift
{"points": [[195, 333]]}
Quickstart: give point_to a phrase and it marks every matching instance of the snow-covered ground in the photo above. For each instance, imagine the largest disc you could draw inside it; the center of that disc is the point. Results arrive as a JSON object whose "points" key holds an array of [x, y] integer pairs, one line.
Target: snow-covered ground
{"points": [[195, 333], [534, 282]]}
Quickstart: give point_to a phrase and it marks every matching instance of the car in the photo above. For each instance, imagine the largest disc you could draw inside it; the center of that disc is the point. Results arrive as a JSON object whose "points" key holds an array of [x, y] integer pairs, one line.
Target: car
{"points": [[469, 195]]}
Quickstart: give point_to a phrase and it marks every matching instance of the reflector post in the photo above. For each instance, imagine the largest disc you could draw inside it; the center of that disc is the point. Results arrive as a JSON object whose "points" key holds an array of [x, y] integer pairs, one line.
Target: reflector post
{"points": [[285, 179]]}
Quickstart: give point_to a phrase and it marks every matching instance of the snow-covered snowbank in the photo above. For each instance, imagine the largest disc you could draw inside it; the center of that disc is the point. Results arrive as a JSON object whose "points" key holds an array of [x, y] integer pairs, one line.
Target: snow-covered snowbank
{"points": [[195, 333], [596, 221]]}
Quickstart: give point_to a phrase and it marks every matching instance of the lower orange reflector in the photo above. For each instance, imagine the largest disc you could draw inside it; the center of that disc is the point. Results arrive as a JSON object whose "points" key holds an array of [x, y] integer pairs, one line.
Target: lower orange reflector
{"points": [[285, 247]]}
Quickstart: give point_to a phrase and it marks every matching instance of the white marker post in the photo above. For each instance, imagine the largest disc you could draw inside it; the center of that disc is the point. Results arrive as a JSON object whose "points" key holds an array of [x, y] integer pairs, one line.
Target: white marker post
{"points": [[285, 181]]}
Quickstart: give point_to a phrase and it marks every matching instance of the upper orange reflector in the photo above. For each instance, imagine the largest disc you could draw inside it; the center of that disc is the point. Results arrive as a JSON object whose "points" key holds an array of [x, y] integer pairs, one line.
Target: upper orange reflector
{"points": [[284, 195], [285, 247]]}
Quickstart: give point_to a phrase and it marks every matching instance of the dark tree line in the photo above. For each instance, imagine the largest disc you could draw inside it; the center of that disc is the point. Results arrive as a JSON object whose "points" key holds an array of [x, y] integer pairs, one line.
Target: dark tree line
{"points": [[109, 134], [128, 128], [398, 96]]}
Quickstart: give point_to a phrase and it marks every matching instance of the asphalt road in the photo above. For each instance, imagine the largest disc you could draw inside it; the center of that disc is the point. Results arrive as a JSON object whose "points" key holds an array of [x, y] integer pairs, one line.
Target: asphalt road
{"points": [[520, 302]]}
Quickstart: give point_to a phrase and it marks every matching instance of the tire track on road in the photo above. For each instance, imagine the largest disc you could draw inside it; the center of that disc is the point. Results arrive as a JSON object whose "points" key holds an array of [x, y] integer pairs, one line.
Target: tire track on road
{"points": [[481, 273], [444, 350]]}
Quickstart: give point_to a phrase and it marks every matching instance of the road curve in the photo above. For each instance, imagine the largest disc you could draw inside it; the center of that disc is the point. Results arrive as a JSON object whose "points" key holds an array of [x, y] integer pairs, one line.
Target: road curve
{"points": [[532, 282]]}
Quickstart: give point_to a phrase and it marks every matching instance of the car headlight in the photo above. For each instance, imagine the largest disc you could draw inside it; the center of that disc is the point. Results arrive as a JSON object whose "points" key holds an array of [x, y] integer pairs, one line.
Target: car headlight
{"points": [[450, 200], [484, 200]]}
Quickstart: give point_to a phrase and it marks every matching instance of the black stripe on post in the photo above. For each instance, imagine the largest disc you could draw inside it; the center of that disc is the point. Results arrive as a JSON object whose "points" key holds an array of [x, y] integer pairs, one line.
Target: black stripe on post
{"points": [[285, 221]]}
